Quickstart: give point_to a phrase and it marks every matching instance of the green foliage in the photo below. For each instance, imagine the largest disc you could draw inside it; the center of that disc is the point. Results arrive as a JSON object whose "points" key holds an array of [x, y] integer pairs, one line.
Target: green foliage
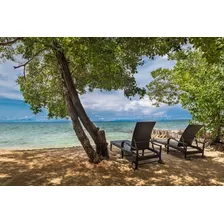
{"points": [[163, 89], [103, 63], [212, 47], [196, 84]]}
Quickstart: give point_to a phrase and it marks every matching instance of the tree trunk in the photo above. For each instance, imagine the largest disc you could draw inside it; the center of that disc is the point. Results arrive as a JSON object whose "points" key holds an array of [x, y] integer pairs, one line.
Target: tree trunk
{"points": [[93, 156], [96, 134], [102, 150], [218, 129]]}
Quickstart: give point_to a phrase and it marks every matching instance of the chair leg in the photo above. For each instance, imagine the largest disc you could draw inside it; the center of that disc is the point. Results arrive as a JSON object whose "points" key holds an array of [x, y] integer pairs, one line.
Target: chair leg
{"points": [[167, 149], [160, 157], [136, 163], [203, 154], [122, 154], [110, 147]]}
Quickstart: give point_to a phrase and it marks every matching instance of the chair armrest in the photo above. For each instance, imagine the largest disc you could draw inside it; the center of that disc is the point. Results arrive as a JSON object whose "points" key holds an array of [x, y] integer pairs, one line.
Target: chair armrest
{"points": [[168, 141], [160, 147], [142, 141], [202, 142], [124, 142], [199, 141], [205, 141], [154, 143]]}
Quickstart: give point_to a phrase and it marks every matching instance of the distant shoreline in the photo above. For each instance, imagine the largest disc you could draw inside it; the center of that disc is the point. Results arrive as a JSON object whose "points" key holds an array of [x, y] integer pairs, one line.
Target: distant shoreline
{"points": [[99, 121], [38, 148]]}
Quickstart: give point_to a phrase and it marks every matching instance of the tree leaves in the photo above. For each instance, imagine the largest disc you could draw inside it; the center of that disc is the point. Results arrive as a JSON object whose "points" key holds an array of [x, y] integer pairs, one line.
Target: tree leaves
{"points": [[196, 84], [102, 62]]}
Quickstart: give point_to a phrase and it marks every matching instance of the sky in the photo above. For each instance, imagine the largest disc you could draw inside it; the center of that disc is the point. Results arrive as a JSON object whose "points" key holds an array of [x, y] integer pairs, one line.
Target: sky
{"points": [[100, 106]]}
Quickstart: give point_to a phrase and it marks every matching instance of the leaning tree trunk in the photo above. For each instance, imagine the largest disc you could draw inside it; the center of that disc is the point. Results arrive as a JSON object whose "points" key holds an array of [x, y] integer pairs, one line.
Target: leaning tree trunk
{"points": [[97, 135], [93, 156]]}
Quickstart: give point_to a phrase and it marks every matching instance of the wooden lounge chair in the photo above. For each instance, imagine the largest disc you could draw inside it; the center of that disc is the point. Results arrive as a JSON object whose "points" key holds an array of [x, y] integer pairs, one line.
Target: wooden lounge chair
{"points": [[185, 143], [139, 147]]}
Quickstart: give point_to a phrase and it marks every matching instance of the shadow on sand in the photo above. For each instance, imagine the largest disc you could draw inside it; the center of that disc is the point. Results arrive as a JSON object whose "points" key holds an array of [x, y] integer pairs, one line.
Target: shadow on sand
{"points": [[70, 166]]}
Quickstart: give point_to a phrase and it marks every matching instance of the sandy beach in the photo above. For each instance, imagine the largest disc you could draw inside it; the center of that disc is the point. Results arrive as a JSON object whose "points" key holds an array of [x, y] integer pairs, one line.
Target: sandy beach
{"points": [[70, 166]]}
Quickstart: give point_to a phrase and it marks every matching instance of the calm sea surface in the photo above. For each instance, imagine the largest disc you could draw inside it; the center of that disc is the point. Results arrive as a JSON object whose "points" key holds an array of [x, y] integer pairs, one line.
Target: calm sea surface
{"points": [[43, 135]]}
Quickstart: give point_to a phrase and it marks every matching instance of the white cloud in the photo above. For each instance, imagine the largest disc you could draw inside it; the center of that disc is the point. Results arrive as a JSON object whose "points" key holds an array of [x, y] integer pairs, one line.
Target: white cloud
{"points": [[11, 85], [11, 95], [159, 114], [144, 106], [165, 56], [143, 76], [115, 102], [104, 101], [8, 86], [104, 104]]}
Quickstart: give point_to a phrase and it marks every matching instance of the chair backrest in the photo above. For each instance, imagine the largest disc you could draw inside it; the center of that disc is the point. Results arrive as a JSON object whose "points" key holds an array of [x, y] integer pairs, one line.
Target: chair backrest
{"points": [[142, 133], [189, 133]]}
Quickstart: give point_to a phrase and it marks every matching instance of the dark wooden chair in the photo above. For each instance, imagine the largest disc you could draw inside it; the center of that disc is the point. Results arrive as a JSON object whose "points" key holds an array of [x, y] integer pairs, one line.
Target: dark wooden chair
{"points": [[185, 143], [139, 148]]}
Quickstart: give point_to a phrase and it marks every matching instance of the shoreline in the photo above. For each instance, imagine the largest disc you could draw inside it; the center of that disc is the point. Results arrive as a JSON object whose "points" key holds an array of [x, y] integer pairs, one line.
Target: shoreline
{"points": [[97, 121], [38, 148]]}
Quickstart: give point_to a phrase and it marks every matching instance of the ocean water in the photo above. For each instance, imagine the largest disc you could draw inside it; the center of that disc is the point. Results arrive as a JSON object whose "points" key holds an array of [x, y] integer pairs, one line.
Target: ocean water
{"points": [[46, 135]]}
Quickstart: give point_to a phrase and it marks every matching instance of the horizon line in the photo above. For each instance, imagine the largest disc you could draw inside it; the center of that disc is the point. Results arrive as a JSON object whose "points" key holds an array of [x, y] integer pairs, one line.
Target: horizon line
{"points": [[69, 121]]}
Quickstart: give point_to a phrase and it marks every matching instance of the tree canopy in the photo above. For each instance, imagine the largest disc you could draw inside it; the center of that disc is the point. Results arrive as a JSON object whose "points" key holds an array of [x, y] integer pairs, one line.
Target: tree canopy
{"points": [[103, 63], [212, 48], [196, 84]]}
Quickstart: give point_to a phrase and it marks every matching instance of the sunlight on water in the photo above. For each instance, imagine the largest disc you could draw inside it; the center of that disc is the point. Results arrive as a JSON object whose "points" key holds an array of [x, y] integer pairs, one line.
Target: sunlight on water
{"points": [[43, 135]]}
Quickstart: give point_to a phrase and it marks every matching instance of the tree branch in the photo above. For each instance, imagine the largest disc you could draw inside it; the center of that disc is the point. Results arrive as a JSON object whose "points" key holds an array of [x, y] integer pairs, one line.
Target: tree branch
{"points": [[24, 68], [11, 41], [24, 65], [27, 62]]}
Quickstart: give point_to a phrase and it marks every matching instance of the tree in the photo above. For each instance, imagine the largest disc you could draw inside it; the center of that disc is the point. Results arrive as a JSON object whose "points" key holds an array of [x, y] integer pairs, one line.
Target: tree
{"points": [[196, 84], [212, 48], [57, 70]]}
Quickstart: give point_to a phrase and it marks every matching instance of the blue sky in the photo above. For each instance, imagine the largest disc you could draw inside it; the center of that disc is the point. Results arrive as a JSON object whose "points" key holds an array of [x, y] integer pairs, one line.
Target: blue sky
{"points": [[99, 105]]}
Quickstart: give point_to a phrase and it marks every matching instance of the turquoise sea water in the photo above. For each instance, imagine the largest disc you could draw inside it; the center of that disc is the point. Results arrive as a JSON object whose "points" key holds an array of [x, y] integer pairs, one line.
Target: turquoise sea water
{"points": [[46, 134]]}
